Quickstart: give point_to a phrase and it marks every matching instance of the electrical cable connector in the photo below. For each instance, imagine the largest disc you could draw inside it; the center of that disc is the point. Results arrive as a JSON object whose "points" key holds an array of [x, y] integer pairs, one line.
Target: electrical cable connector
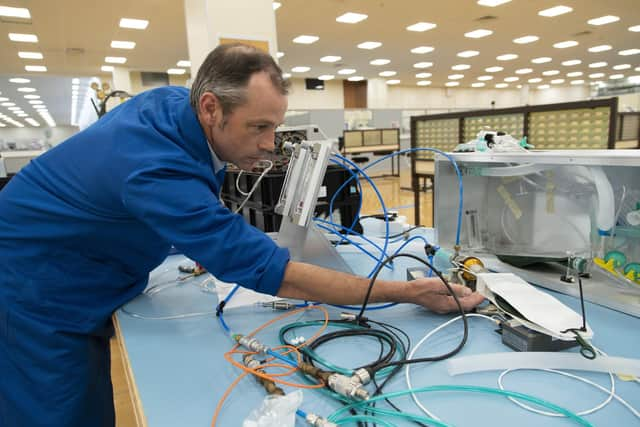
{"points": [[318, 421], [347, 387], [251, 343], [277, 305]]}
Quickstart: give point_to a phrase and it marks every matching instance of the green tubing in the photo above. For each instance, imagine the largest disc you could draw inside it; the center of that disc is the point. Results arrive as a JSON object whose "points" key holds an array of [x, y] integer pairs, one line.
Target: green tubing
{"points": [[407, 416], [358, 418], [475, 389]]}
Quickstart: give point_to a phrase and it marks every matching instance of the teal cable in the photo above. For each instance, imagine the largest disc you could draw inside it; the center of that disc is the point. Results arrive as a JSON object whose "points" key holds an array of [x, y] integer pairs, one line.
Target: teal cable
{"points": [[359, 418], [407, 416], [476, 389]]}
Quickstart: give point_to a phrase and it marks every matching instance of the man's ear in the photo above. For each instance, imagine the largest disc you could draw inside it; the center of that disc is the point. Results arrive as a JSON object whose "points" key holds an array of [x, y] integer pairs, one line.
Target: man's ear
{"points": [[210, 109]]}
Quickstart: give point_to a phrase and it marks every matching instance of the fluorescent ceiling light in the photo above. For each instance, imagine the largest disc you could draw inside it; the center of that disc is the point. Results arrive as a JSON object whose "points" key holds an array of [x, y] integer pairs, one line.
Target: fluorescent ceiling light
{"points": [[574, 74], [115, 59], [305, 39], [535, 80], [634, 79], [596, 75], [600, 48], [380, 62], [492, 3], [136, 24], [36, 68], [565, 44], [629, 52], [30, 55], [369, 45], [421, 26], [176, 71], [485, 78], [551, 73], [19, 80], [330, 58], [286, 75], [387, 73], [422, 49], [460, 67], [75, 81], [598, 65], [616, 76], [355, 78], [120, 44], [451, 84], [276, 5], [36, 102], [571, 62], [183, 63], [607, 19], [622, 67], [456, 76], [346, 71], [493, 69], [511, 79], [557, 81], [555, 11], [524, 71], [3, 99], [26, 89], [24, 38], [477, 84], [502, 85], [326, 77], [31, 96], [526, 39], [279, 54], [468, 53], [541, 60], [300, 69], [32, 122], [476, 34], [393, 82], [423, 82], [542, 87], [15, 12], [351, 18], [577, 82], [422, 64], [506, 57], [635, 28], [423, 75], [8, 104], [107, 68], [14, 109]]}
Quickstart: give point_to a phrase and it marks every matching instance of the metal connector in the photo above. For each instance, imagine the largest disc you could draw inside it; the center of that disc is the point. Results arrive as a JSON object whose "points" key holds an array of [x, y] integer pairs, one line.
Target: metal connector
{"points": [[361, 376], [347, 387], [351, 317], [318, 421], [252, 344], [278, 305]]}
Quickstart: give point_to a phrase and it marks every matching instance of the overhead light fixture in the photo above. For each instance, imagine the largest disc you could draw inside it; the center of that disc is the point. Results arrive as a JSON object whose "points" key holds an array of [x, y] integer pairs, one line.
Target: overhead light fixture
{"points": [[423, 82], [478, 84], [452, 84], [603, 20], [511, 79], [107, 68], [330, 58], [526, 39], [535, 80], [492, 3], [26, 89], [115, 59], [32, 122], [596, 75], [326, 77], [634, 79], [555, 11], [635, 28], [75, 81], [393, 82], [574, 74], [369, 45], [506, 57], [460, 67], [493, 69], [31, 96], [476, 34], [598, 64], [616, 76], [176, 71], [485, 78], [19, 80], [355, 78], [622, 67], [541, 60], [565, 44], [423, 75], [468, 53], [276, 5], [557, 81], [421, 26], [14, 109], [279, 54], [36, 68], [300, 69], [543, 87], [456, 76], [135, 24], [501, 85], [423, 64], [36, 102], [23, 38], [629, 52], [351, 18], [571, 62], [3, 99], [30, 55], [577, 82], [8, 104], [551, 73], [346, 71], [524, 71], [387, 73], [305, 39], [119, 44], [422, 49], [15, 12], [600, 48], [380, 62], [183, 63], [286, 75]]}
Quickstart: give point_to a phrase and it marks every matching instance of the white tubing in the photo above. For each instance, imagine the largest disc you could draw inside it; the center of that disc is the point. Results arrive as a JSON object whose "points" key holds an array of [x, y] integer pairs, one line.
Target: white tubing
{"points": [[542, 360]]}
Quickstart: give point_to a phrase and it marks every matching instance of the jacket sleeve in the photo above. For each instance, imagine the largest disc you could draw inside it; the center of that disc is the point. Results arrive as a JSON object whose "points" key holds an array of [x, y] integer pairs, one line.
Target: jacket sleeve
{"points": [[183, 209]]}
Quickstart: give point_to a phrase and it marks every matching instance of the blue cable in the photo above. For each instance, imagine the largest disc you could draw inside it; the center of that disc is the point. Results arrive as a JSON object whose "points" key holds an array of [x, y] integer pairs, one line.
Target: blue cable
{"points": [[301, 413], [224, 324], [335, 194], [278, 356]]}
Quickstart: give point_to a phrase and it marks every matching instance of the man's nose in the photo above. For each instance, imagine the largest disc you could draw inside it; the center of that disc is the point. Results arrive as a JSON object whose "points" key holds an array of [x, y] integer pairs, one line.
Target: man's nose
{"points": [[268, 142]]}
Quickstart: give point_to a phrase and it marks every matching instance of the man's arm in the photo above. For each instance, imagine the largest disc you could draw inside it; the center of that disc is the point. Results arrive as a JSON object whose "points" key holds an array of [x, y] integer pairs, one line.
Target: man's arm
{"points": [[312, 283]]}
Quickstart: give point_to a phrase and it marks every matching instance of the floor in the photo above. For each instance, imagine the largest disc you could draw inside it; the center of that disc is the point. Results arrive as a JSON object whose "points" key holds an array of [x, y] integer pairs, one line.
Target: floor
{"points": [[395, 199]]}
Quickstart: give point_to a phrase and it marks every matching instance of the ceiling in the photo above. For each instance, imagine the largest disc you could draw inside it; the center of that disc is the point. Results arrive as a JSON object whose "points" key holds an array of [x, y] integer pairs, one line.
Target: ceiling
{"points": [[75, 36]]}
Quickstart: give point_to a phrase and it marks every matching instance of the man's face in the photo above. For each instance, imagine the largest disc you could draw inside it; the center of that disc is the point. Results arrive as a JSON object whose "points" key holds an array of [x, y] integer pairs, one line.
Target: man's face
{"points": [[246, 135]]}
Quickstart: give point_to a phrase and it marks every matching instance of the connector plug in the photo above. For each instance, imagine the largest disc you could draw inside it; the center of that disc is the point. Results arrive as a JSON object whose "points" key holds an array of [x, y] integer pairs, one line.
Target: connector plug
{"points": [[251, 343], [318, 421], [347, 387]]}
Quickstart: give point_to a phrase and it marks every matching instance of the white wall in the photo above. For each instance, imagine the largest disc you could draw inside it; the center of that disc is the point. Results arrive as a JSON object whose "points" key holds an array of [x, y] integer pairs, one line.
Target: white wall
{"points": [[629, 102], [561, 94], [330, 98], [29, 134]]}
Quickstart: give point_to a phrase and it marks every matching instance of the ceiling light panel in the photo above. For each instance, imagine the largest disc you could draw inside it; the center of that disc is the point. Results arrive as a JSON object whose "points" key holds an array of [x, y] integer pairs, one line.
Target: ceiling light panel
{"points": [[565, 44], [629, 52], [306, 39], [115, 59], [541, 60], [574, 74], [36, 68], [387, 73], [19, 80], [501, 85], [600, 48], [355, 78], [598, 64], [369, 45], [456, 76], [557, 81], [616, 76], [507, 57], [423, 75], [423, 64], [23, 38], [577, 82], [31, 96], [176, 71], [351, 18], [26, 89], [635, 28], [346, 71], [107, 68], [380, 61], [476, 34], [477, 84], [622, 67], [526, 39], [494, 69], [451, 84], [524, 71], [325, 77], [551, 73], [535, 80], [422, 49], [596, 75], [460, 67], [15, 12], [121, 44], [330, 58], [468, 53], [300, 69], [421, 26], [511, 79], [30, 55], [185, 63], [423, 82], [485, 78], [135, 24], [603, 20], [542, 87], [555, 11], [571, 62], [492, 3], [393, 82]]}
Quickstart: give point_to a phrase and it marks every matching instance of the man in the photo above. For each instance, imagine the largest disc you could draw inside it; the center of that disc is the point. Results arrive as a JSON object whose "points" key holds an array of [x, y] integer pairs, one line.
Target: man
{"points": [[82, 225]]}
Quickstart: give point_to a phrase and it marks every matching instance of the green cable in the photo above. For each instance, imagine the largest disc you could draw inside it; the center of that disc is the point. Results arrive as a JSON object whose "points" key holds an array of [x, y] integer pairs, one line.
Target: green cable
{"points": [[358, 418], [476, 389], [407, 416]]}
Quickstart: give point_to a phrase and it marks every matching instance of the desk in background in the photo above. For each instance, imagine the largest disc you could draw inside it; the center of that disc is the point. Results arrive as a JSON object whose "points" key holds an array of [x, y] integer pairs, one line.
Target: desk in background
{"points": [[376, 141]]}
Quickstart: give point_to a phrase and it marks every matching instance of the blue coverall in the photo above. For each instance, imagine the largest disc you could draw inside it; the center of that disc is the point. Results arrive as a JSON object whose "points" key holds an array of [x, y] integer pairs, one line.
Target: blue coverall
{"points": [[81, 227]]}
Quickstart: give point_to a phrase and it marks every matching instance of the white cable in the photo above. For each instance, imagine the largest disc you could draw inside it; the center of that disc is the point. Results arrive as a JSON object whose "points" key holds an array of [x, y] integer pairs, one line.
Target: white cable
{"points": [[255, 186], [417, 346]]}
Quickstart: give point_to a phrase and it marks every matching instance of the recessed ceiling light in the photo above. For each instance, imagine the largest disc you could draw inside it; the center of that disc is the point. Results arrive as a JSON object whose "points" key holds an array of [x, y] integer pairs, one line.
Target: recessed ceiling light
{"points": [[30, 55], [75, 81], [36, 102], [305, 39], [279, 54], [629, 52], [300, 69], [19, 80], [120, 44], [107, 68], [535, 80], [477, 84], [183, 63], [634, 79], [616, 76], [26, 89], [15, 12], [524, 71], [276, 5], [456, 76], [635, 28], [476, 34], [387, 73], [8, 104], [24, 38], [3, 99], [596, 75], [557, 81], [330, 58], [355, 78], [176, 71], [574, 74], [136, 24], [550, 73], [600, 48], [451, 84], [542, 87], [460, 67], [14, 109], [380, 62], [351, 18], [286, 75], [555, 11], [607, 19], [423, 75], [493, 69], [541, 60], [346, 71], [577, 82], [511, 79], [31, 96], [526, 39], [501, 85], [393, 82], [326, 77], [485, 78], [422, 49], [565, 44], [421, 26], [622, 67], [115, 59], [598, 65], [36, 68], [423, 64], [369, 45], [571, 62], [507, 57], [492, 3], [468, 53], [423, 82]]}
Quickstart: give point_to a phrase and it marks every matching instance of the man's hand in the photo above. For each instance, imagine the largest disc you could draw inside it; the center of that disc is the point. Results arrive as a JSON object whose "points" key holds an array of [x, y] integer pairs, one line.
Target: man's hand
{"points": [[434, 295]]}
